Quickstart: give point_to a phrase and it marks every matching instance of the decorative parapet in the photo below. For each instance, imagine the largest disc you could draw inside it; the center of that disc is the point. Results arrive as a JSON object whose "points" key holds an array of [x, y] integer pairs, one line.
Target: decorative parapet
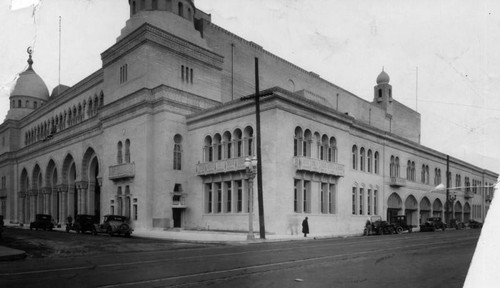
{"points": [[319, 166], [397, 182], [122, 171], [222, 166]]}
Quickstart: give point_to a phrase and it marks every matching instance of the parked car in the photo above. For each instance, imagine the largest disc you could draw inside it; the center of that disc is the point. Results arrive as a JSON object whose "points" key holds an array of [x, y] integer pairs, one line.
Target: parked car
{"points": [[42, 221], [400, 224], [375, 225], [475, 224], [113, 224], [433, 223], [1, 225], [455, 223], [82, 223]]}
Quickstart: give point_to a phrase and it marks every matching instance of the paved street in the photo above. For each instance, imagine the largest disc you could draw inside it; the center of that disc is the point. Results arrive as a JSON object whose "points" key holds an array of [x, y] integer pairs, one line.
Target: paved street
{"points": [[434, 259]]}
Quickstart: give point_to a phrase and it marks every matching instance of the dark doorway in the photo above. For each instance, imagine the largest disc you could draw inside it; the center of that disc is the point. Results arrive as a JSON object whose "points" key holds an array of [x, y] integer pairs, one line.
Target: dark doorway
{"points": [[97, 197], [176, 214], [75, 202], [391, 212]]}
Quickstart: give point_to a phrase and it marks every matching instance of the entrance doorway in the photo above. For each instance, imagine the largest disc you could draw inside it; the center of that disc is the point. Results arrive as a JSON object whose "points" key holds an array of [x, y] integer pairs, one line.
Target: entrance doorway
{"points": [[177, 217]]}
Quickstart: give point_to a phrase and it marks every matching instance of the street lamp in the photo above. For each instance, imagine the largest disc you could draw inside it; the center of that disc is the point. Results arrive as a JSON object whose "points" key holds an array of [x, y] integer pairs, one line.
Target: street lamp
{"points": [[251, 171]]}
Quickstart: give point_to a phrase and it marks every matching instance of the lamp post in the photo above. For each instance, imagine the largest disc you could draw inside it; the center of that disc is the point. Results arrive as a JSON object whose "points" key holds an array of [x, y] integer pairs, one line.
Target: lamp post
{"points": [[251, 171]]}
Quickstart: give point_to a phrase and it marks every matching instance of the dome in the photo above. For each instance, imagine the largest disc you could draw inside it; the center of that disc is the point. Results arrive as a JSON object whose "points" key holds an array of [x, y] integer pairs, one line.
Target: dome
{"points": [[383, 78], [30, 84]]}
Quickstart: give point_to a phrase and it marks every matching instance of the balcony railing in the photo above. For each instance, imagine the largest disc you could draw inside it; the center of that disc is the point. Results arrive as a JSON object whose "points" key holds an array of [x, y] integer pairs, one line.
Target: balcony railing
{"points": [[397, 182], [221, 166], [319, 166], [122, 171]]}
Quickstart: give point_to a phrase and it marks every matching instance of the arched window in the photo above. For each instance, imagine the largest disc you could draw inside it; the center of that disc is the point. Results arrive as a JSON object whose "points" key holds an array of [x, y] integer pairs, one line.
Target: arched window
{"points": [[177, 152], [127, 151], [189, 14], [397, 167], [413, 172], [408, 170], [392, 167], [354, 157], [119, 157], [133, 8], [208, 149], [218, 147], [369, 161], [332, 151], [228, 145], [362, 159], [19, 103], [181, 9], [376, 163], [297, 142]]}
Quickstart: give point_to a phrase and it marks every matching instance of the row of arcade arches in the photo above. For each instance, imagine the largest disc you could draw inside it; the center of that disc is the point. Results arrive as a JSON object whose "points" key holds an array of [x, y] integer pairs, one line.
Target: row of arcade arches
{"points": [[61, 189], [416, 213]]}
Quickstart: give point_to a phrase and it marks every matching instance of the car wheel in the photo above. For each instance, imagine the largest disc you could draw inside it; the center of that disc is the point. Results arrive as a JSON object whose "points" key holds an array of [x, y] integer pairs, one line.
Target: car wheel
{"points": [[399, 230]]}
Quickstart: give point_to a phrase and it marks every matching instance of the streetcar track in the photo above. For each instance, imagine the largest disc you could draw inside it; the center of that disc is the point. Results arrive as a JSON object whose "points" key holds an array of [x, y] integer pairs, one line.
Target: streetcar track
{"points": [[254, 269]]}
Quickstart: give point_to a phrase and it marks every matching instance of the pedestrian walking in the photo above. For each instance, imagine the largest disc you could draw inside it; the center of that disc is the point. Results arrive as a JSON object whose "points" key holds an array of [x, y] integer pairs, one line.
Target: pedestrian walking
{"points": [[305, 227]]}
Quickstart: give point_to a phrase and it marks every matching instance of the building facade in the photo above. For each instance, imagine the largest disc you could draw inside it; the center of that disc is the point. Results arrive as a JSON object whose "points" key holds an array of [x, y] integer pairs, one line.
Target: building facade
{"points": [[160, 134]]}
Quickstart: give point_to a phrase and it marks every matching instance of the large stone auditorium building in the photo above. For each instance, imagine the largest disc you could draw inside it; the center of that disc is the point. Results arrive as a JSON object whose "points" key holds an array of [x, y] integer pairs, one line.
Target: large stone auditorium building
{"points": [[160, 134]]}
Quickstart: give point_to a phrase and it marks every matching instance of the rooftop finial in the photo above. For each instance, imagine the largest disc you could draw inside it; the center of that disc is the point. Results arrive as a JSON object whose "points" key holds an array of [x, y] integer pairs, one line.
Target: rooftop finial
{"points": [[30, 61]]}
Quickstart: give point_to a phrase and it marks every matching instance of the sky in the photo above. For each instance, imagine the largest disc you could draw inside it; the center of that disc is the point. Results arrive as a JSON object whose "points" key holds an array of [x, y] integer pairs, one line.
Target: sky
{"points": [[442, 56]]}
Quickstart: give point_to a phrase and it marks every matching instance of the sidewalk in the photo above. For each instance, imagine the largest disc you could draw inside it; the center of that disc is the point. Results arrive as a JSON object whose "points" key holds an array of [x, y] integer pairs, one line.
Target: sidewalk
{"points": [[200, 236]]}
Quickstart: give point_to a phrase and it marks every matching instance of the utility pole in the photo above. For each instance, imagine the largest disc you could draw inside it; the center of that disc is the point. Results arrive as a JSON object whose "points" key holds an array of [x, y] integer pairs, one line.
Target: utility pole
{"points": [[260, 194]]}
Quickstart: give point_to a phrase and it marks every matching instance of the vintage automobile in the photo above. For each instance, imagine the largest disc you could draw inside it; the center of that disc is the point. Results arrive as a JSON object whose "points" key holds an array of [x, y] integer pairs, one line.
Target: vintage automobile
{"points": [[400, 224], [42, 221], [457, 224], [113, 224], [1, 225], [433, 223], [475, 224], [82, 223], [376, 226]]}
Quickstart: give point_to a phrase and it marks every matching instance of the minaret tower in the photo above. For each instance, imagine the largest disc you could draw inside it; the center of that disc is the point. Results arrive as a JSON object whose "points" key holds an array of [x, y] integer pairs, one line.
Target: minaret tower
{"points": [[383, 92]]}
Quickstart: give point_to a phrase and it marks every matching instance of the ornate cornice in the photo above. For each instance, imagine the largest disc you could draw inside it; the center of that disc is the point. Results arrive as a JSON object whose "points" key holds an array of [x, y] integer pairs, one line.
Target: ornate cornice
{"points": [[149, 33]]}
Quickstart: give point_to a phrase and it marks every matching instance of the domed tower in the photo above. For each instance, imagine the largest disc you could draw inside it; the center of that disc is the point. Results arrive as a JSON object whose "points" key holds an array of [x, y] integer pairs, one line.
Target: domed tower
{"points": [[29, 93], [174, 16], [383, 92]]}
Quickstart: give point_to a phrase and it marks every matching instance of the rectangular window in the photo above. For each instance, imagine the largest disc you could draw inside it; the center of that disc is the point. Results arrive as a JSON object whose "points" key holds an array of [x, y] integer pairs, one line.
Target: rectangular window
{"points": [[229, 192], [112, 210], [353, 200], [307, 196], [182, 72], [219, 197], [123, 73], [191, 78], [135, 211], [369, 204], [361, 200], [375, 212], [208, 200], [240, 195], [250, 146], [322, 197], [295, 147], [331, 199], [296, 196]]}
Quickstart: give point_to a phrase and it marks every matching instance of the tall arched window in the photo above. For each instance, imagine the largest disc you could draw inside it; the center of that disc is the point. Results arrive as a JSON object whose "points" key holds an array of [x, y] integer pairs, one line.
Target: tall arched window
{"points": [[208, 149], [181, 9], [332, 151], [177, 152], [408, 170], [297, 142], [362, 159], [369, 161], [127, 151], [354, 157], [392, 167], [119, 156], [397, 167], [376, 163], [133, 8]]}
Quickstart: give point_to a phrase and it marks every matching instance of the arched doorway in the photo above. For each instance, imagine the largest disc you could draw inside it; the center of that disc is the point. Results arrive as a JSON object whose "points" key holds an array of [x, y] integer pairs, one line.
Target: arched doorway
{"points": [[411, 210], [394, 205], [437, 208], [70, 193], [36, 205], [458, 211], [52, 197], [90, 175], [425, 209], [466, 212], [24, 205]]}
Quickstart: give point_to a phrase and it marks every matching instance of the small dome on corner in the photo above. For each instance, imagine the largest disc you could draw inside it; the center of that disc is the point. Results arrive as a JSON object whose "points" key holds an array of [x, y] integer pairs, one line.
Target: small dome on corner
{"points": [[383, 78]]}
